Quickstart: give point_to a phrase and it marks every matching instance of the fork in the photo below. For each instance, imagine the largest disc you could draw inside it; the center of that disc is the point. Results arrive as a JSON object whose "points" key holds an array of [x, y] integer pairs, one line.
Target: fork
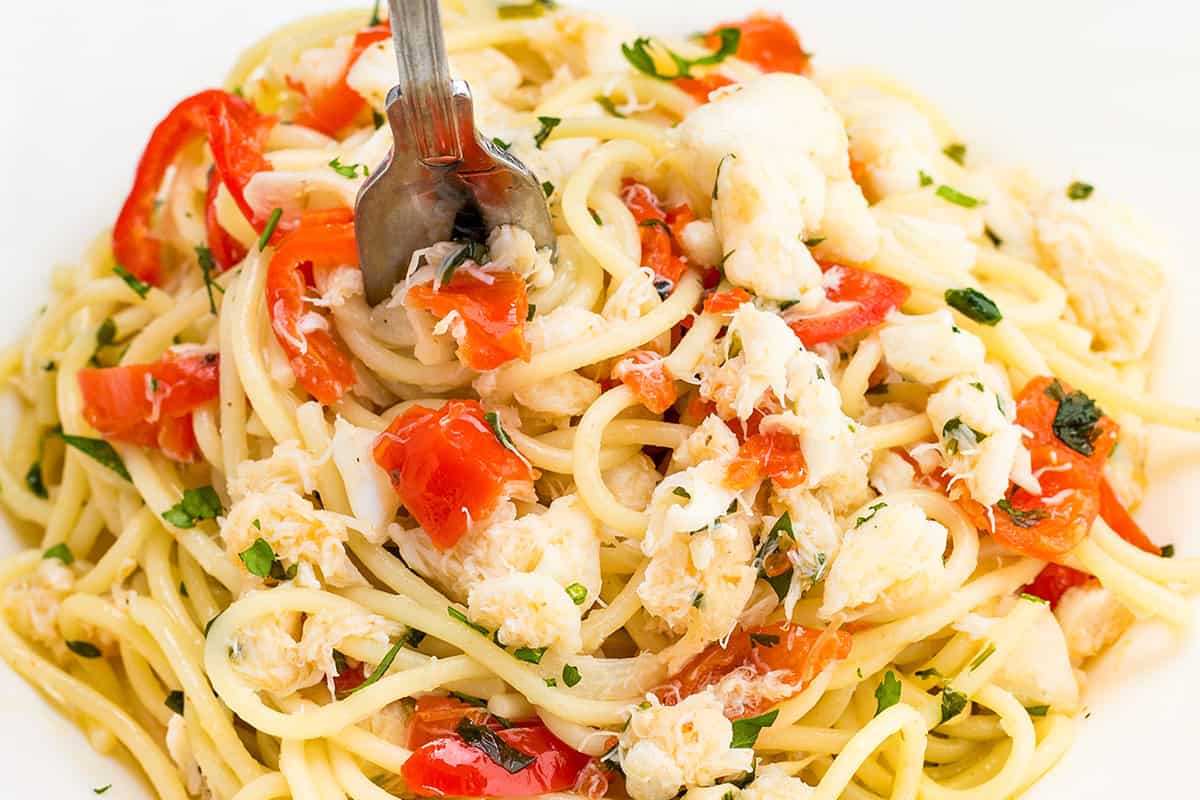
{"points": [[441, 180]]}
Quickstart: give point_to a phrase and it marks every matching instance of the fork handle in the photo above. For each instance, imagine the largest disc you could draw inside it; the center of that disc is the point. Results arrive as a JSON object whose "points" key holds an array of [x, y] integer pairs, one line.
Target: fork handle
{"points": [[425, 80]]}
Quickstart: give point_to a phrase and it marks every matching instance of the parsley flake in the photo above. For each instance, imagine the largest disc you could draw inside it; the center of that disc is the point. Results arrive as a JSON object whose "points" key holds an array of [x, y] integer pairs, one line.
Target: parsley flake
{"points": [[140, 288], [1080, 190], [608, 105], [174, 701], [1037, 711], [62, 552], [570, 675], [952, 195], [197, 504], [772, 544], [258, 557], [34, 481], [1167, 551], [99, 451], [498, 751], [952, 703], [956, 152], [531, 10], [83, 649], [745, 731], [493, 421], [269, 229], [347, 170], [578, 593], [543, 133], [530, 655], [470, 251], [887, 693], [1022, 517], [764, 639], [870, 515], [640, 58], [975, 305], [1075, 420]]}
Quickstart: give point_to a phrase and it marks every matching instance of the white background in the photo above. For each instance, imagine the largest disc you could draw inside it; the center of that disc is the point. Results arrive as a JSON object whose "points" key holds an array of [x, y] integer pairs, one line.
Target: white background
{"points": [[1105, 90]]}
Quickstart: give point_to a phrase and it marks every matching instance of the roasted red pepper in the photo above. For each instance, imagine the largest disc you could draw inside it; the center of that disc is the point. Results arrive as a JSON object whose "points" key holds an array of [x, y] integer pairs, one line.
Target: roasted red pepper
{"points": [[332, 108]]}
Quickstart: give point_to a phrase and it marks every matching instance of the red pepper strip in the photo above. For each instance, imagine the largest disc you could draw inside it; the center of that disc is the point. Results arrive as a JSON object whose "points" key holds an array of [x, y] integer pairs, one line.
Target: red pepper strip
{"points": [[658, 231], [726, 302], [330, 109], [234, 128], [226, 250], [324, 241], [1054, 581], [1121, 522], [866, 298], [767, 455]]}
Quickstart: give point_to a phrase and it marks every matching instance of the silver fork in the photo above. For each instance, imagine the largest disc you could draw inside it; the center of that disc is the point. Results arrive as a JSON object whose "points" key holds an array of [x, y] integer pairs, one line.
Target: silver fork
{"points": [[442, 180]]}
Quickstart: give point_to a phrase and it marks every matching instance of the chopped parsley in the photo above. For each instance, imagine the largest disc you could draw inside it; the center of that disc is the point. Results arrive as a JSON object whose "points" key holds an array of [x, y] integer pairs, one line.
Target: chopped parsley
{"points": [[925, 178], [1022, 517], [62, 552], [1033, 598], [952, 703], [503, 145], [551, 682], [814, 241], [375, 18], [1076, 418], [1037, 711], [595, 217], [548, 125], [952, 195], [983, 656], [1080, 190], [870, 515], [34, 481], [498, 751], [461, 617], [782, 582], [931, 672], [174, 701], [83, 649], [529, 314], [259, 558], [608, 105], [470, 250], [975, 305], [887, 693], [570, 675], [1167, 551], [640, 58], [992, 237], [140, 288], [269, 229], [469, 699], [97, 450], [530, 655], [547, 188], [414, 637], [679, 491], [376, 119], [578, 593], [745, 731], [698, 600], [101, 789], [716, 182], [347, 170], [197, 504], [956, 152], [531, 10], [208, 266], [493, 421], [764, 639], [381, 669], [959, 436]]}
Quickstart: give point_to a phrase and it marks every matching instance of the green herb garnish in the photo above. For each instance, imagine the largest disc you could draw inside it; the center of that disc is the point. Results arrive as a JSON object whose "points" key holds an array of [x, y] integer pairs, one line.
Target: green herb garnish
{"points": [[974, 304]]}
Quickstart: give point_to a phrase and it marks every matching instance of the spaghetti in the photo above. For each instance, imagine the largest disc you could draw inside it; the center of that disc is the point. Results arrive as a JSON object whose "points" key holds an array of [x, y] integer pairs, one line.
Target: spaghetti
{"points": [[763, 486]]}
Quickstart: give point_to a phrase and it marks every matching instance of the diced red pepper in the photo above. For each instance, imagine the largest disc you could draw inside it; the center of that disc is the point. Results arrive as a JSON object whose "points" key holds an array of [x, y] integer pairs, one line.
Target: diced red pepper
{"points": [[349, 679], [492, 307], [775, 455], [646, 374], [450, 767], [151, 404], [726, 302], [868, 298], [700, 88], [799, 653], [768, 42], [1054, 581], [237, 135], [448, 467], [322, 243], [658, 230], [332, 108]]}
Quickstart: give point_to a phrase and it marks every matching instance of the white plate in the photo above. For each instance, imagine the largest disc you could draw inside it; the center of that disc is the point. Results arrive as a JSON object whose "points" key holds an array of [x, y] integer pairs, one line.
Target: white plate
{"points": [[1101, 86]]}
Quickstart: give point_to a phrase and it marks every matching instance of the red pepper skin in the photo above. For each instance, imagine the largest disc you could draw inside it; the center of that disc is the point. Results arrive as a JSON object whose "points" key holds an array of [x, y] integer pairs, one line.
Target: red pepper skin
{"points": [[237, 134], [226, 250], [323, 242], [449, 767]]}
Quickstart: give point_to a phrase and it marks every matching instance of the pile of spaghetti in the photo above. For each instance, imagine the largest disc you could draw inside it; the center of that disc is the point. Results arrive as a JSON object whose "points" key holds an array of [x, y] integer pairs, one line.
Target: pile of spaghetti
{"points": [[802, 468]]}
